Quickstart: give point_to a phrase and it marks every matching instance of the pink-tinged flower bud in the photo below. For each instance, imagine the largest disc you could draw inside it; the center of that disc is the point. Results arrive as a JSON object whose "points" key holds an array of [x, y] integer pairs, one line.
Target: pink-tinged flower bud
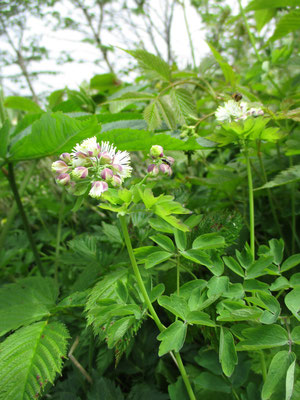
{"points": [[116, 181], [66, 157], [116, 168], [80, 173], [165, 169], [78, 162], [169, 160], [80, 154], [106, 174], [63, 179], [104, 158], [156, 151], [60, 167], [153, 170], [98, 188]]}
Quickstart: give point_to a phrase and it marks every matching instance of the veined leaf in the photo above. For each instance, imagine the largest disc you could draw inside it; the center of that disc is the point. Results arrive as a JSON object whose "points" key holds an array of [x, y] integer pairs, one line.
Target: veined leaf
{"points": [[117, 104], [289, 175], [292, 301], [152, 64], [287, 24], [53, 134], [263, 337], [22, 103], [25, 302], [172, 338], [225, 67], [167, 112], [227, 352], [262, 4], [152, 116], [183, 103], [30, 358]]}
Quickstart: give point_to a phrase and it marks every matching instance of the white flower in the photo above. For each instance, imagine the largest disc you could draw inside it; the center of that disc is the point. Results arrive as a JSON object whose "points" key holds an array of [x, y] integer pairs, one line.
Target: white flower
{"points": [[90, 147], [98, 188], [231, 111], [119, 158]]}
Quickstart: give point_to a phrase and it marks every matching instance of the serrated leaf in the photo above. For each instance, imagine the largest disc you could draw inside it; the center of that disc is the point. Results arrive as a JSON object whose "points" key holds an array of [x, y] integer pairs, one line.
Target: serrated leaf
{"points": [[285, 177], [172, 338], [287, 24], [25, 302], [117, 330], [30, 358], [184, 104], [166, 111], [152, 116], [53, 134], [152, 64]]}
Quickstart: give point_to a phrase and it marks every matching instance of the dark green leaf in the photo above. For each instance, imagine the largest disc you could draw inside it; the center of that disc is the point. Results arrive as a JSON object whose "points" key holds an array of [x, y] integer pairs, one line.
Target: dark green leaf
{"points": [[263, 337], [172, 338], [227, 352]]}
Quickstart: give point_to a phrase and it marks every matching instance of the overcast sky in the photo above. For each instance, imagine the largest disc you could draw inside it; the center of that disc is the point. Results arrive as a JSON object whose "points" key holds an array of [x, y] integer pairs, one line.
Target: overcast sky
{"points": [[72, 74]]}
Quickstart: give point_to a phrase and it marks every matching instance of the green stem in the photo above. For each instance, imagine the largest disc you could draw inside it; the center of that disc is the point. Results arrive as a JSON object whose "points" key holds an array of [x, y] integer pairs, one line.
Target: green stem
{"points": [[251, 203], [178, 275], [14, 188], [12, 212], [189, 33], [252, 40], [263, 365], [58, 236], [269, 193], [293, 205], [149, 304], [3, 112]]}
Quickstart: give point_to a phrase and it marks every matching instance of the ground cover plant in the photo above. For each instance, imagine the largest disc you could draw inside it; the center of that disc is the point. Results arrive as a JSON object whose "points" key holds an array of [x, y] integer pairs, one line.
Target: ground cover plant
{"points": [[149, 245]]}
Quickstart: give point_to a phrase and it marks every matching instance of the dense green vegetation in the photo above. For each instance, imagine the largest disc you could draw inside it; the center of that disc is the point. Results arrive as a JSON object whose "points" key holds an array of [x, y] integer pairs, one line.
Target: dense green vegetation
{"points": [[149, 245]]}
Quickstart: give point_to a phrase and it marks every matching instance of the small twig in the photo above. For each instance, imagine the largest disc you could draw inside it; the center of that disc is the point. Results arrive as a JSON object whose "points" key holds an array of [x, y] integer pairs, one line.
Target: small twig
{"points": [[76, 363]]}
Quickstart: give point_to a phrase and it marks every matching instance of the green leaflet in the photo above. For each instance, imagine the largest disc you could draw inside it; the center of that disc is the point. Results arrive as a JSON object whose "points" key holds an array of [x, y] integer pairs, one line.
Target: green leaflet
{"points": [[172, 338], [227, 352], [30, 358], [27, 301], [287, 24], [22, 103], [53, 134]]}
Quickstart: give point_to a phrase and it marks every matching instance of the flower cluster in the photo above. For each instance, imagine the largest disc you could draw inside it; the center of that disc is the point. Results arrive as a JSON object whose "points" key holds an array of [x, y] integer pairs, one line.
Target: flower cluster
{"points": [[236, 111], [92, 166], [160, 162]]}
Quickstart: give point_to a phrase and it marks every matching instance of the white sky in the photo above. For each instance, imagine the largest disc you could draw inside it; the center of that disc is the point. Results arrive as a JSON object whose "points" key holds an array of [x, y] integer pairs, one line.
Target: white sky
{"points": [[72, 74]]}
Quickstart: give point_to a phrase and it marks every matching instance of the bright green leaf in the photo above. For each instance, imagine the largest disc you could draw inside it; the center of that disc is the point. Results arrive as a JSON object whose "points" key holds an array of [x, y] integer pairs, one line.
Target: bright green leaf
{"points": [[172, 338]]}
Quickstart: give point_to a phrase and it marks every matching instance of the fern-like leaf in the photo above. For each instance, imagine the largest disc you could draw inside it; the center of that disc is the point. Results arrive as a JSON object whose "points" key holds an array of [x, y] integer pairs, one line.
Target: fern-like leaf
{"points": [[30, 358], [155, 66], [289, 175]]}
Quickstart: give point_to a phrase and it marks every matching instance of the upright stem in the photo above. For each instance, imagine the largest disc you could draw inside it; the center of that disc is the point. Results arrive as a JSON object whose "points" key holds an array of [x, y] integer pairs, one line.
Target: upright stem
{"points": [[58, 236], [149, 304], [12, 212], [251, 203], [14, 188], [188, 32], [293, 206], [270, 197], [252, 40]]}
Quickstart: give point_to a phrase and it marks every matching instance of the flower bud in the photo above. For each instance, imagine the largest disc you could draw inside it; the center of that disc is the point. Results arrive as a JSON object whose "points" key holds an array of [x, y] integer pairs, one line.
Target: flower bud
{"points": [[98, 187], [80, 154], [60, 167], [156, 151], [104, 158], [170, 160], [80, 173], [116, 168], [165, 169], [116, 181], [66, 157], [106, 174], [78, 162], [63, 179], [153, 169]]}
